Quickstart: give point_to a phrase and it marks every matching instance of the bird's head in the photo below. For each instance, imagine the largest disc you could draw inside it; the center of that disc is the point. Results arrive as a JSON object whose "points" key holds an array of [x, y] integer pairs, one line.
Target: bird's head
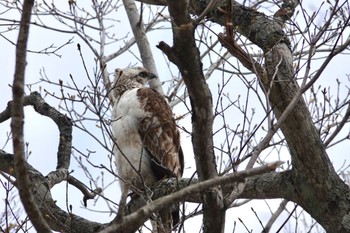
{"points": [[129, 78]]}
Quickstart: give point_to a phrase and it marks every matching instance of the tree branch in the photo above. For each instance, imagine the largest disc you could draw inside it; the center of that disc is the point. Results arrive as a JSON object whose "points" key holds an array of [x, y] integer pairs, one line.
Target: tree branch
{"points": [[275, 215], [186, 56], [143, 45], [133, 221], [62, 121], [261, 184], [79, 185], [339, 126], [23, 184], [55, 217]]}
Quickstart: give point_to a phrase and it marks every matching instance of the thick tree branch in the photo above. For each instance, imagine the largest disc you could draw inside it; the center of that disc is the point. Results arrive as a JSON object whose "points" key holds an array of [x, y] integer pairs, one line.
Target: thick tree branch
{"points": [[57, 219], [17, 113], [185, 55], [143, 45], [311, 164], [54, 216], [259, 185], [63, 122], [268, 186], [285, 12], [133, 221], [313, 170]]}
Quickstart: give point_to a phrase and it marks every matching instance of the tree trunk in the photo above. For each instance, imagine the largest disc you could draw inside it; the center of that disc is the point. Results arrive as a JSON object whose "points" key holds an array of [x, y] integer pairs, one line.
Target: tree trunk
{"points": [[317, 187], [185, 55]]}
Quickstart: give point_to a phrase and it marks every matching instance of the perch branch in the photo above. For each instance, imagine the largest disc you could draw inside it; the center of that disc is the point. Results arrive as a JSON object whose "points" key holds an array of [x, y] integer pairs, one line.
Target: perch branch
{"points": [[133, 221]]}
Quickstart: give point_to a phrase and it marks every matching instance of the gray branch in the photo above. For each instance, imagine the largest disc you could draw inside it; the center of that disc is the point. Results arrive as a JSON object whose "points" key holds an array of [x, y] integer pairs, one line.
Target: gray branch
{"points": [[62, 121]]}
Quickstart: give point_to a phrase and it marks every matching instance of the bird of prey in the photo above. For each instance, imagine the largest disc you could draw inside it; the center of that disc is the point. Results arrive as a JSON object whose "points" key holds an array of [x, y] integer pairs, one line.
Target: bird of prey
{"points": [[147, 141]]}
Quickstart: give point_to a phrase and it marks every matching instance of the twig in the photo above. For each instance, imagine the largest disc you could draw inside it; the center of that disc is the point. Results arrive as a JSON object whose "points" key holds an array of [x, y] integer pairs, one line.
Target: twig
{"points": [[275, 215], [339, 127], [82, 187]]}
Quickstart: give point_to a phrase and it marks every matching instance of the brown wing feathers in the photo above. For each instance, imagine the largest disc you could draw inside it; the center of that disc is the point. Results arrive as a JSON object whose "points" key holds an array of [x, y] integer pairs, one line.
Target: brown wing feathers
{"points": [[153, 125], [160, 136]]}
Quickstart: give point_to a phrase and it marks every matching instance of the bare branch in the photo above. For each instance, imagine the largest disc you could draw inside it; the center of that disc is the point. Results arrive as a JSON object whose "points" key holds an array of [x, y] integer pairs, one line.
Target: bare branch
{"points": [[18, 121], [63, 122], [185, 55], [143, 45], [132, 222], [339, 127], [58, 219], [275, 215], [79, 185]]}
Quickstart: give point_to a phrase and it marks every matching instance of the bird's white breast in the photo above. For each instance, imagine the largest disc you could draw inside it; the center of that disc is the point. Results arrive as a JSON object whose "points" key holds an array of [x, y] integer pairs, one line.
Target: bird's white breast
{"points": [[131, 159]]}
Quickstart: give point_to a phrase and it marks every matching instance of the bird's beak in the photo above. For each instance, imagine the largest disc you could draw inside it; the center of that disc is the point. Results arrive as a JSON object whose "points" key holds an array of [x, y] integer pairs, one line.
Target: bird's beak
{"points": [[151, 76]]}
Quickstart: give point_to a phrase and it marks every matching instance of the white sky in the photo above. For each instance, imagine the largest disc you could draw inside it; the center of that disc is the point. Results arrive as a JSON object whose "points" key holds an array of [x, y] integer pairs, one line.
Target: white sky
{"points": [[42, 134]]}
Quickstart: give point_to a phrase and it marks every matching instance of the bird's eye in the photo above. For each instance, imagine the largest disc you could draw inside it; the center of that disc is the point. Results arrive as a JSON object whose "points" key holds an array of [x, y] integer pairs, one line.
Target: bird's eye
{"points": [[143, 74]]}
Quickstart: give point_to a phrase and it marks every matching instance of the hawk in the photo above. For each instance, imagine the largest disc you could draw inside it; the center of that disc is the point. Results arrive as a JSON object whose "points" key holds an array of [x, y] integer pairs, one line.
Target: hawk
{"points": [[147, 141]]}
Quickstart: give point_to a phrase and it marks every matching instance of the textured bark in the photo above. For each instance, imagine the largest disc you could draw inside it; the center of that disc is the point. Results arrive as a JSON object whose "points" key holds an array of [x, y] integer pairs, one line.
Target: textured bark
{"points": [[260, 183], [134, 220], [56, 218], [63, 123], [185, 55], [17, 123], [312, 171], [62, 221]]}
